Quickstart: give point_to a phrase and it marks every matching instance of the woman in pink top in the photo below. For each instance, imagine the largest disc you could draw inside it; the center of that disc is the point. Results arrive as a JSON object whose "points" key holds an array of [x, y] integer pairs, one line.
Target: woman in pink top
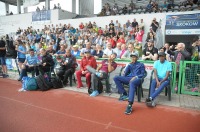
{"points": [[139, 35], [123, 48]]}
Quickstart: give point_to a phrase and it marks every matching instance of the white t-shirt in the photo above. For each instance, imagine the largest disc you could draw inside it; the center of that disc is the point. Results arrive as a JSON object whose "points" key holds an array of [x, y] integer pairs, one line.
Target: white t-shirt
{"points": [[108, 52]]}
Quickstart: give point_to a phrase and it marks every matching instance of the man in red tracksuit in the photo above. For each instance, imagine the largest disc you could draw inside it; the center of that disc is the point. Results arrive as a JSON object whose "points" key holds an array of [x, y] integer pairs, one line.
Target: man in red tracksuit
{"points": [[85, 61]]}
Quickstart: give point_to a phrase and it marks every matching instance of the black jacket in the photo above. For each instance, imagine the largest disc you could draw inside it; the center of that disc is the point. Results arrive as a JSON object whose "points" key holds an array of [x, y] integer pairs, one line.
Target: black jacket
{"points": [[185, 54], [71, 63], [48, 60]]}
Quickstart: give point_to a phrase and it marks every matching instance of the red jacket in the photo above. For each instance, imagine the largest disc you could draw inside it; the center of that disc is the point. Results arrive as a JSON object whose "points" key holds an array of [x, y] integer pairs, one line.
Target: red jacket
{"points": [[81, 26], [100, 31], [121, 40], [90, 61], [113, 43]]}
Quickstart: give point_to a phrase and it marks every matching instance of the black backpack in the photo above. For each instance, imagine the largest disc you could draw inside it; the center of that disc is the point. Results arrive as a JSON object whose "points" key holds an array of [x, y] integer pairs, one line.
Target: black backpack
{"points": [[100, 88], [56, 82], [42, 83]]}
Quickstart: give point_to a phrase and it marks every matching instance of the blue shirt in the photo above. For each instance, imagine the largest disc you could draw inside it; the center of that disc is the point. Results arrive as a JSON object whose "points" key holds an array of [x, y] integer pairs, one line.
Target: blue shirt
{"points": [[30, 37], [77, 54], [32, 60], [23, 49], [162, 68], [135, 69]]}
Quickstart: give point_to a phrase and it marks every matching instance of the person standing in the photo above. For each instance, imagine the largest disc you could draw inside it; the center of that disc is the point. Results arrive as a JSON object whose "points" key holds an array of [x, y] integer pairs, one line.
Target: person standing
{"points": [[21, 51], [2, 57], [154, 25]]}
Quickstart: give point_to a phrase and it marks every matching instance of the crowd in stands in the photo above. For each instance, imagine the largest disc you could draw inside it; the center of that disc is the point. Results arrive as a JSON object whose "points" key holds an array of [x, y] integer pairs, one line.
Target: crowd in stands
{"points": [[153, 6], [61, 44]]}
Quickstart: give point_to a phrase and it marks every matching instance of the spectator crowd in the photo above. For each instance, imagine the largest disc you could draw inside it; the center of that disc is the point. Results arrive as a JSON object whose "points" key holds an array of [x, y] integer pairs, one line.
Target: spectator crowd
{"points": [[152, 6]]}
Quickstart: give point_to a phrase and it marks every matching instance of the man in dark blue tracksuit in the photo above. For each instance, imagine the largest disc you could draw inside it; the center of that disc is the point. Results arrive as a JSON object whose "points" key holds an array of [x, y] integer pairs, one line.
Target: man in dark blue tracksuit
{"points": [[133, 74]]}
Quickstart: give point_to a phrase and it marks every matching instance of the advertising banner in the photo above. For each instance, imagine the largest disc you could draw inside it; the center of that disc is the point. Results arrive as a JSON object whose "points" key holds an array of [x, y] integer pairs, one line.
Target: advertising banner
{"points": [[184, 24], [41, 16]]}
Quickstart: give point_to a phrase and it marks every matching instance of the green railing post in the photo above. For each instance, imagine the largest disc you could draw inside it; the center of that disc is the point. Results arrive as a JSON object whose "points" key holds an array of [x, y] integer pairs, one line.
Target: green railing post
{"points": [[180, 76], [173, 76], [183, 70]]}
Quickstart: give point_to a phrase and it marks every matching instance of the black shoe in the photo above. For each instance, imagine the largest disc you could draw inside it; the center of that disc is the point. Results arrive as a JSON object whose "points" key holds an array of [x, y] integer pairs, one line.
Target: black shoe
{"points": [[129, 110], [19, 79], [148, 100]]}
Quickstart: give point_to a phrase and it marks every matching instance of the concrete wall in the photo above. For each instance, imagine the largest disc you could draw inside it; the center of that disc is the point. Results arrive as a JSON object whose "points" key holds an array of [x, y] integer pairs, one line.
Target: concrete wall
{"points": [[86, 7], [65, 14]]}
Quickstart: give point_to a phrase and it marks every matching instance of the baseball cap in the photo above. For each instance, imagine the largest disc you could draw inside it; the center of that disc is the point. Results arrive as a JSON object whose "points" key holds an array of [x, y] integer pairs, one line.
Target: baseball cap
{"points": [[134, 54], [161, 54], [75, 46]]}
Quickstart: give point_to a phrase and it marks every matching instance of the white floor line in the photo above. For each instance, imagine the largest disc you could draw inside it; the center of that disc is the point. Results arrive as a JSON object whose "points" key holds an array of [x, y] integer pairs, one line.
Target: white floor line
{"points": [[72, 116]]}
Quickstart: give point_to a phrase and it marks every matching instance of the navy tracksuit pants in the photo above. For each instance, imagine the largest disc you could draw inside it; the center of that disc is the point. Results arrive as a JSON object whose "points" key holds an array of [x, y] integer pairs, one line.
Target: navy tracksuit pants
{"points": [[120, 80]]}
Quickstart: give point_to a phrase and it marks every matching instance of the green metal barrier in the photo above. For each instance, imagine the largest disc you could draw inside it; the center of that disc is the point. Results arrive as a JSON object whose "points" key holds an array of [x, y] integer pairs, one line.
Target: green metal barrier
{"points": [[190, 77], [173, 77]]}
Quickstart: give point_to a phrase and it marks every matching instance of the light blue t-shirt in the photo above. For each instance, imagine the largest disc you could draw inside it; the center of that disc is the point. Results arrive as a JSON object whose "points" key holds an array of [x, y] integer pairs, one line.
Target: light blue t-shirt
{"points": [[32, 60], [162, 68], [23, 49]]}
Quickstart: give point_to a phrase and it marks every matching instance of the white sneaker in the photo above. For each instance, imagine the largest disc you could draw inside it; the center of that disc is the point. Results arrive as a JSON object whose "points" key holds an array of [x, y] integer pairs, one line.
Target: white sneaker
{"points": [[21, 90]]}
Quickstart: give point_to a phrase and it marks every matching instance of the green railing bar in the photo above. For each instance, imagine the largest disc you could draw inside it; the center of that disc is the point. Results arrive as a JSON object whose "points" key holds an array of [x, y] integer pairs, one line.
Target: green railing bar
{"points": [[180, 77]]}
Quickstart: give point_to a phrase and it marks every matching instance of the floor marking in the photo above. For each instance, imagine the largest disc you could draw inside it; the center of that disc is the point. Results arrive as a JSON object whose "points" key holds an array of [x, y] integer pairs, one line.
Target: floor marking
{"points": [[109, 124], [77, 117]]}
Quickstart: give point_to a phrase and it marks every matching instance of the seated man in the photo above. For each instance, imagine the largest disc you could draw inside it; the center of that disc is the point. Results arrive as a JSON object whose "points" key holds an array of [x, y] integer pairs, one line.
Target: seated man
{"points": [[130, 51], [75, 51], [61, 52], [29, 65], [106, 66], [87, 60], [68, 66], [133, 74], [162, 68], [47, 62], [150, 53]]}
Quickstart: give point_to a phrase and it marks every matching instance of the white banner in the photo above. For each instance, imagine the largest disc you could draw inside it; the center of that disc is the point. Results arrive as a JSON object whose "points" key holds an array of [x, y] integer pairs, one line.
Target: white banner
{"points": [[182, 31], [27, 3]]}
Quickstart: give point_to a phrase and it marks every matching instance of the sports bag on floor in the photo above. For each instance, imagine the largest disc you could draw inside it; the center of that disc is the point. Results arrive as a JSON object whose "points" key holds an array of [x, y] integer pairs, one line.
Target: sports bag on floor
{"points": [[29, 84], [43, 83], [56, 82]]}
